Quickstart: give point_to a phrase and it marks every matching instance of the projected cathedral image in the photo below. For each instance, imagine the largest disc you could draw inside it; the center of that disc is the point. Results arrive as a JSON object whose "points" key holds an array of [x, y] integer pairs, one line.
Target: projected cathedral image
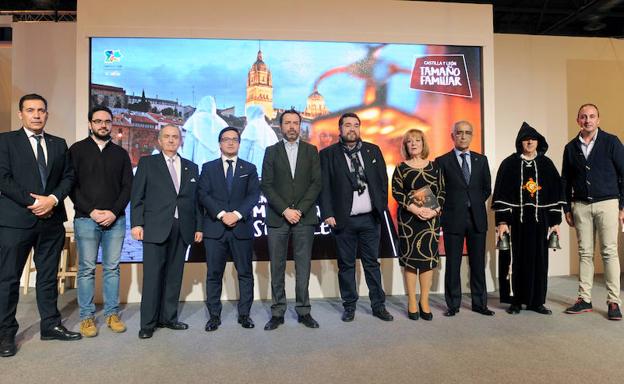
{"points": [[204, 85]]}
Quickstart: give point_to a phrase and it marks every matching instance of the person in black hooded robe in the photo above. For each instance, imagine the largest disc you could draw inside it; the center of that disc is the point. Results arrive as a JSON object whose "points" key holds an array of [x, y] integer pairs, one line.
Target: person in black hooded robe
{"points": [[527, 202]]}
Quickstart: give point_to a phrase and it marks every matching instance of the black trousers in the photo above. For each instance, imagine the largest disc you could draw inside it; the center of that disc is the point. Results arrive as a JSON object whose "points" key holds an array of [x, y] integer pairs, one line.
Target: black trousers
{"points": [[362, 233], [475, 243], [15, 244], [163, 266], [216, 256]]}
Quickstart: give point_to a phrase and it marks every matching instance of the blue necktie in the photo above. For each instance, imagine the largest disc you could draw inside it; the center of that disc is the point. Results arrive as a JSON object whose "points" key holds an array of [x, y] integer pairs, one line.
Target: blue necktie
{"points": [[465, 168], [41, 161], [229, 174]]}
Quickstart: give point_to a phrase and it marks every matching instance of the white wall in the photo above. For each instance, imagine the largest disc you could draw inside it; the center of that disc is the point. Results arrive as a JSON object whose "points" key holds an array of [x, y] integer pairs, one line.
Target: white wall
{"points": [[43, 63], [6, 58]]}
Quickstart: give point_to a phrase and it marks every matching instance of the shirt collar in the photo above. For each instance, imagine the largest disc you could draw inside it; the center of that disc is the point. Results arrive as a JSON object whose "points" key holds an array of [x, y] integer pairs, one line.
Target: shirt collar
{"points": [[98, 144], [167, 157], [593, 140], [295, 143], [458, 152], [30, 133], [225, 158]]}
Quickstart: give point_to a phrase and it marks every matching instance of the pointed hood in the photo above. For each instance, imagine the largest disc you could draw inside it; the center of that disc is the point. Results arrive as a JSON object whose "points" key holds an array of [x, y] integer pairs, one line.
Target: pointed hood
{"points": [[528, 132]]}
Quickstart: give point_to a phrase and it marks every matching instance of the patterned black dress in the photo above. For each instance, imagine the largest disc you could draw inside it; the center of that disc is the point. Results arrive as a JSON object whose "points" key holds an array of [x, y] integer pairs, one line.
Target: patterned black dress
{"points": [[418, 239]]}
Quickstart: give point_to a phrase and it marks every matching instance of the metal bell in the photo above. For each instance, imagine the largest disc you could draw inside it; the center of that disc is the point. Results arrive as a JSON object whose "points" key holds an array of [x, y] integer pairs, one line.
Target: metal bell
{"points": [[553, 241], [503, 242]]}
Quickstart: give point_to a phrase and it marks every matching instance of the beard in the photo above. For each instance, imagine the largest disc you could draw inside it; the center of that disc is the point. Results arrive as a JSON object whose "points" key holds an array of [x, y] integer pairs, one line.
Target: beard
{"points": [[350, 137], [104, 137]]}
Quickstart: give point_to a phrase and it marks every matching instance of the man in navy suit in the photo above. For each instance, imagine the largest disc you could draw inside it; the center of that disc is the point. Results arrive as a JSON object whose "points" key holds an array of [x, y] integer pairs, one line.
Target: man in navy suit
{"points": [[468, 185], [166, 217], [35, 178], [228, 190]]}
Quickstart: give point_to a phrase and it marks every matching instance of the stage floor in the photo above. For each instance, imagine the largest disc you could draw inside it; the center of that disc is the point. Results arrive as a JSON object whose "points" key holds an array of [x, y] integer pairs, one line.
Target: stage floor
{"points": [[468, 348]]}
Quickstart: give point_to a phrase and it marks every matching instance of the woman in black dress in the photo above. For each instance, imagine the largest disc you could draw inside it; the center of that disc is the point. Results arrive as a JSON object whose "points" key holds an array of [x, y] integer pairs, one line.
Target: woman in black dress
{"points": [[418, 188]]}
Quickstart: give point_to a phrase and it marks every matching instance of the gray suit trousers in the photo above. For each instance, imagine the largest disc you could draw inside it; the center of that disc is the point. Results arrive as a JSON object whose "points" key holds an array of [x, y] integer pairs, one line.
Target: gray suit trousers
{"points": [[302, 240]]}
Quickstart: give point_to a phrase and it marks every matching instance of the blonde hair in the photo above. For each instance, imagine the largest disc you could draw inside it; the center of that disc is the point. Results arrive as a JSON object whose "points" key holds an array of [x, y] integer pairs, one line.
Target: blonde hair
{"points": [[411, 134]]}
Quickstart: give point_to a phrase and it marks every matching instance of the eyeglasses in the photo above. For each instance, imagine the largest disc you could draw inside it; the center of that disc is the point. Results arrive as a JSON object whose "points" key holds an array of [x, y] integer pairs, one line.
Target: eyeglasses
{"points": [[99, 122], [230, 139], [463, 133]]}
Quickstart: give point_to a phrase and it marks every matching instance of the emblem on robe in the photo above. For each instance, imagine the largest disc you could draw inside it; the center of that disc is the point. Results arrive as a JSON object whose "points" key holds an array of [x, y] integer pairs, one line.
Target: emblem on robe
{"points": [[531, 186]]}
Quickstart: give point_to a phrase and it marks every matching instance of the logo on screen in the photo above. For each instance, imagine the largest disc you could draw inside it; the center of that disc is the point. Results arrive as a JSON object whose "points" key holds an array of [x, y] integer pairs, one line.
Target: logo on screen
{"points": [[112, 56], [445, 74]]}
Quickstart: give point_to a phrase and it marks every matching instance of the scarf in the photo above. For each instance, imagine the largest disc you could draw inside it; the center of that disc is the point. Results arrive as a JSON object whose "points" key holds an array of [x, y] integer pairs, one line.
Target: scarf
{"points": [[358, 178]]}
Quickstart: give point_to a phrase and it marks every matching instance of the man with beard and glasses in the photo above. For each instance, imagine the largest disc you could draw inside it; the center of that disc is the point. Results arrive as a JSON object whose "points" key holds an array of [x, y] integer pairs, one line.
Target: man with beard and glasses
{"points": [[291, 182], [100, 196], [353, 201]]}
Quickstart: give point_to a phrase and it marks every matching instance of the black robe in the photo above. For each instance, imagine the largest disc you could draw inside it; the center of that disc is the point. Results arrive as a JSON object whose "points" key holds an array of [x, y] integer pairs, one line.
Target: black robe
{"points": [[528, 197]]}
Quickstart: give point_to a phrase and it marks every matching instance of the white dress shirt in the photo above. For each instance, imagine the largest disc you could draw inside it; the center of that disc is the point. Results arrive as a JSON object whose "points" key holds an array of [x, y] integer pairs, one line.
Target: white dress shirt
{"points": [[224, 160], [33, 145], [292, 149], [361, 203]]}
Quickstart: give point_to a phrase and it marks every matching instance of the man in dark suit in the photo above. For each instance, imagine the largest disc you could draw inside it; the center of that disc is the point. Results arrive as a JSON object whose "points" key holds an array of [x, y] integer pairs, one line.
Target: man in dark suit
{"points": [[35, 177], [166, 217], [228, 191], [291, 182], [468, 185], [353, 201]]}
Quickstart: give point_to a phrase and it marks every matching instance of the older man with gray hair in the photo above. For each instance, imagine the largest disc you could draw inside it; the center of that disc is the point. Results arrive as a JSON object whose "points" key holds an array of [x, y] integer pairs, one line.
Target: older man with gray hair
{"points": [[166, 218], [468, 185]]}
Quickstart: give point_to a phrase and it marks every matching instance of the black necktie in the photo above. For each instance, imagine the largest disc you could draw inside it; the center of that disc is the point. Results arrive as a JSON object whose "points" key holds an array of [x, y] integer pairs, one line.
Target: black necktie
{"points": [[41, 161], [229, 174], [465, 168]]}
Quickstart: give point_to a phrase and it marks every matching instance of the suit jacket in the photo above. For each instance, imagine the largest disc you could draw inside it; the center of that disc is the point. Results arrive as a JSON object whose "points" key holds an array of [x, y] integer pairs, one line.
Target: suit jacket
{"points": [[213, 195], [458, 192], [283, 191], [154, 199], [19, 176], [337, 193]]}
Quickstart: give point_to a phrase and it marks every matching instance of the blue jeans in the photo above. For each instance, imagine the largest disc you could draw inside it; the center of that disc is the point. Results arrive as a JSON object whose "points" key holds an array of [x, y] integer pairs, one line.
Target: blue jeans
{"points": [[89, 236]]}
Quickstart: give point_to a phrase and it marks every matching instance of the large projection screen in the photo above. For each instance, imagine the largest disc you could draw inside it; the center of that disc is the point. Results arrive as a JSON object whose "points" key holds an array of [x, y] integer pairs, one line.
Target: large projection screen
{"points": [[203, 85]]}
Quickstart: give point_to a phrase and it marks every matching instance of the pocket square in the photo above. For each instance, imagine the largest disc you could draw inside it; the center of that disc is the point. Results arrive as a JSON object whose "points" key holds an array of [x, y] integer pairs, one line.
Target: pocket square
{"points": [[374, 161], [193, 180], [241, 176]]}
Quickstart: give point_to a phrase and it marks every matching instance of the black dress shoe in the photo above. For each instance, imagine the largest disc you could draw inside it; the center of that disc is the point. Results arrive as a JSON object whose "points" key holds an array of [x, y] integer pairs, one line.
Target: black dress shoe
{"points": [[273, 323], [60, 333], [412, 315], [348, 315], [7, 346], [514, 309], [146, 333], [485, 311], [308, 321], [213, 323], [245, 321], [382, 314], [427, 316], [176, 325], [541, 309], [451, 312]]}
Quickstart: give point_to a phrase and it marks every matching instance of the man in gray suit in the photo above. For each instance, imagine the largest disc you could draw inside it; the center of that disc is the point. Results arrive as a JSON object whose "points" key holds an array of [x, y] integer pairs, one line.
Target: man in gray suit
{"points": [[166, 217], [291, 183]]}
